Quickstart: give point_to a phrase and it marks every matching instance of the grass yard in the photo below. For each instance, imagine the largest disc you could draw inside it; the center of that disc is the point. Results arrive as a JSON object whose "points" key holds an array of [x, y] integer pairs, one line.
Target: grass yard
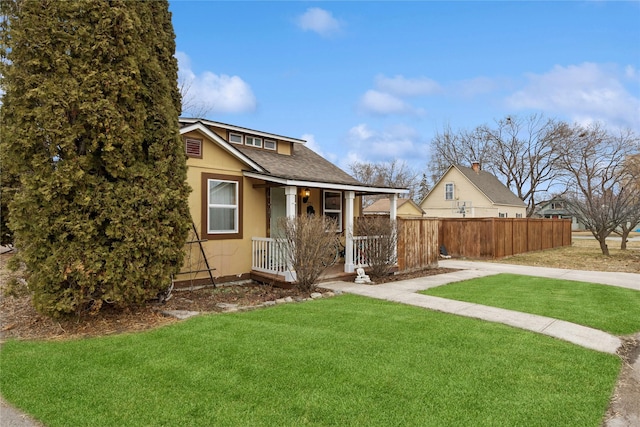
{"points": [[583, 254], [611, 309], [344, 361]]}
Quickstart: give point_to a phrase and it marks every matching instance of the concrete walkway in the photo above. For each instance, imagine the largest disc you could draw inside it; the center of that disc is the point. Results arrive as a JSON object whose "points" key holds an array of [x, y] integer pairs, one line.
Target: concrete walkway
{"points": [[405, 291]]}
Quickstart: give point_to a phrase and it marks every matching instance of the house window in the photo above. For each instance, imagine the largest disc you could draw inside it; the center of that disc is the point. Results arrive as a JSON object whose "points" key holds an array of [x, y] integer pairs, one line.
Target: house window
{"points": [[193, 147], [332, 207], [518, 215], [221, 206], [236, 138], [269, 144], [253, 141], [503, 215], [448, 191]]}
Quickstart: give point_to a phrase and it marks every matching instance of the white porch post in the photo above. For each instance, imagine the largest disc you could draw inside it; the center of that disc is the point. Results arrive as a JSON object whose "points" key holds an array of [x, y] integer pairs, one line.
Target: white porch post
{"points": [[290, 193], [393, 206], [348, 247], [393, 214]]}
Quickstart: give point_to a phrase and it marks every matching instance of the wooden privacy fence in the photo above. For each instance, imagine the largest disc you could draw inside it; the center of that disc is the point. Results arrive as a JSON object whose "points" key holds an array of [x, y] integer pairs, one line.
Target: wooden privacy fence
{"points": [[500, 237], [417, 243]]}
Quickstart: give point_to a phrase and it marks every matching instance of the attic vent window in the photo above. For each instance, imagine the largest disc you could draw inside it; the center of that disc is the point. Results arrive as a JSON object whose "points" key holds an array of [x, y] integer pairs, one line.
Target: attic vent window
{"points": [[251, 140], [193, 147], [269, 144], [235, 138]]}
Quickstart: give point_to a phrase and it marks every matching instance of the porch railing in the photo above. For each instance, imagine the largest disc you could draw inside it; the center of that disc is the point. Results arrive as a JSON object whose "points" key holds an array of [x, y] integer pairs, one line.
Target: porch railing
{"points": [[365, 249], [268, 255]]}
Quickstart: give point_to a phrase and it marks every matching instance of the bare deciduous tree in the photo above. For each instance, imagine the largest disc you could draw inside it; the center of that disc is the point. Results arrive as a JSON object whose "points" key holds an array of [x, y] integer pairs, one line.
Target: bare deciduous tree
{"points": [[395, 174], [457, 147], [307, 247], [599, 182], [191, 104], [380, 244], [521, 152], [632, 185], [524, 154]]}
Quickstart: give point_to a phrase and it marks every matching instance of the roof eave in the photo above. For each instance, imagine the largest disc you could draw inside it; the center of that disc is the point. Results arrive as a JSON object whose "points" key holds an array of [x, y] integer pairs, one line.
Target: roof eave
{"points": [[200, 127], [325, 185]]}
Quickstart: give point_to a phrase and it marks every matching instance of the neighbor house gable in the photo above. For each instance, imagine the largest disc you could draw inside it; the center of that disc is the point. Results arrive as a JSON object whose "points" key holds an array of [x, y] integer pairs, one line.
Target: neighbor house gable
{"points": [[405, 208], [463, 191]]}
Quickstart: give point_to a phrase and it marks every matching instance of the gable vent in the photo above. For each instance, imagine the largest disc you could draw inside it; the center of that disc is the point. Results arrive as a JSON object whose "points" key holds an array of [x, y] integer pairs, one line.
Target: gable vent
{"points": [[193, 147]]}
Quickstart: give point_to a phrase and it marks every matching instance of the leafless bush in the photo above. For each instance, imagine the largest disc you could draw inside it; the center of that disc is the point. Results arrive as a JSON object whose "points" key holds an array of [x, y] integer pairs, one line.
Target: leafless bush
{"points": [[308, 247], [380, 244]]}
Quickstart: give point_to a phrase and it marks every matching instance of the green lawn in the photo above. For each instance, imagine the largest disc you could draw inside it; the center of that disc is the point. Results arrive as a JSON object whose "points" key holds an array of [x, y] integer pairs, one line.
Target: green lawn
{"points": [[344, 361], [611, 309]]}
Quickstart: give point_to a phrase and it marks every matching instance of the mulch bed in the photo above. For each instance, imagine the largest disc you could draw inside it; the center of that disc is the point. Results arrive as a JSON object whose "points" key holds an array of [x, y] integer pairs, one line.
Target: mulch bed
{"points": [[20, 320]]}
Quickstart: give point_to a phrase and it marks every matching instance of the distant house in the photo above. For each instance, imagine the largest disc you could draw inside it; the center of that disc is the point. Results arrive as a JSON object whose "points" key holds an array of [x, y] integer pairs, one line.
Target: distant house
{"points": [[406, 208], [244, 181], [557, 208], [464, 192]]}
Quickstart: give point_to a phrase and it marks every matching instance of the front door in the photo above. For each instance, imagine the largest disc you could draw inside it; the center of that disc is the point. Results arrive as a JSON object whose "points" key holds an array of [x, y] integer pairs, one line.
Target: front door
{"points": [[277, 209]]}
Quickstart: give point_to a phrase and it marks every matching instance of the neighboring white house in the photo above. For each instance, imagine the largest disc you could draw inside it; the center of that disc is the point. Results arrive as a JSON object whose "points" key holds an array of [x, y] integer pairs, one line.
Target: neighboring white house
{"points": [[464, 192]]}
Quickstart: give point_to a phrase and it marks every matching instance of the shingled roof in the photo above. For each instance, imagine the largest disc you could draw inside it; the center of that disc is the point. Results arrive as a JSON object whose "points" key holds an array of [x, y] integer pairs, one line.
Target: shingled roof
{"points": [[303, 164], [496, 191]]}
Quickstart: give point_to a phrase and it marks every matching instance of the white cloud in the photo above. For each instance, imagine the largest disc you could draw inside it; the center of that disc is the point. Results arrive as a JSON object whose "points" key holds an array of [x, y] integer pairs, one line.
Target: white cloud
{"points": [[311, 143], [585, 93], [215, 93], [476, 86], [381, 103], [395, 142], [319, 21], [401, 86]]}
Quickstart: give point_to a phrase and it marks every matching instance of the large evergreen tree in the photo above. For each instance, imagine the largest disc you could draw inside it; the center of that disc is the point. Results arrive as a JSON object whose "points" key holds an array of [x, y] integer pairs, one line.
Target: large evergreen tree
{"points": [[90, 126]]}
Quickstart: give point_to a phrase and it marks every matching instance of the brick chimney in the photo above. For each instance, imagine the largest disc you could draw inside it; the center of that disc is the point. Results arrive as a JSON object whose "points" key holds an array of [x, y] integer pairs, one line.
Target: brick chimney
{"points": [[475, 166]]}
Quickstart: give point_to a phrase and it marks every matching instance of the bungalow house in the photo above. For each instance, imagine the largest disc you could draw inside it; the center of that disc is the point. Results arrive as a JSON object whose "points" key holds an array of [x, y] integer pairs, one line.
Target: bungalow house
{"points": [[244, 181], [406, 208], [464, 192]]}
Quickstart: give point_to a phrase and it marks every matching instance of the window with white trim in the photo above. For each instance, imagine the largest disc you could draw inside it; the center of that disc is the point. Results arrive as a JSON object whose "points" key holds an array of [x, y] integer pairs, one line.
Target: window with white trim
{"points": [[269, 144], [253, 141], [518, 215], [332, 207], [222, 203], [236, 138], [448, 191]]}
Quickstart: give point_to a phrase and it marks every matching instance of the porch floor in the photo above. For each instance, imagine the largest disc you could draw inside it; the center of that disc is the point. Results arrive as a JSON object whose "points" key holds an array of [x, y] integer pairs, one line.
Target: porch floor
{"points": [[335, 272]]}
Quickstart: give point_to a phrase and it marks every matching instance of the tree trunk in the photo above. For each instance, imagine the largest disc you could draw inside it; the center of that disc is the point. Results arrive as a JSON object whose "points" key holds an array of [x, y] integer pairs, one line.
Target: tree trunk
{"points": [[603, 245], [625, 236]]}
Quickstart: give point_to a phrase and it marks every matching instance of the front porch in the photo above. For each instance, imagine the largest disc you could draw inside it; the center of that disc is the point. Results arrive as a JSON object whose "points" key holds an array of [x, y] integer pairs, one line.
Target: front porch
{"points": [[269, 265], [335, 272]]}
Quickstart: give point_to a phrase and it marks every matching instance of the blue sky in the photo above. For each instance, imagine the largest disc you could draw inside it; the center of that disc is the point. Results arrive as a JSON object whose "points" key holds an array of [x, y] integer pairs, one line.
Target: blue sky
{"points": [[374, 81]]}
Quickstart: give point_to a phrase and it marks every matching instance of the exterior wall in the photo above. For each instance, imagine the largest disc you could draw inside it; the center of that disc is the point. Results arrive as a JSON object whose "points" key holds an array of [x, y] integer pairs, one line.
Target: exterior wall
{"points": [[435, 204], [408, 210], [230, 257], [284, 148]]}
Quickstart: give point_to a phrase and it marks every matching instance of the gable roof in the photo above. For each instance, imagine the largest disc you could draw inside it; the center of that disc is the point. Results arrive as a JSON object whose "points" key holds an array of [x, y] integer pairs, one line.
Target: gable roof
{"points": [[487, 184], [383, 206], [302, 164], [302, 167]]}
